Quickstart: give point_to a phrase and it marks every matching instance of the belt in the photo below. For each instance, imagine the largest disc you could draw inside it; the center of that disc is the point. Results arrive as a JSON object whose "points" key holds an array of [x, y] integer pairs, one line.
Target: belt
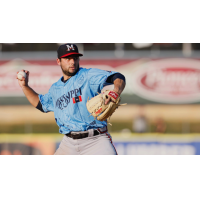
{"points": [[83, 135]]}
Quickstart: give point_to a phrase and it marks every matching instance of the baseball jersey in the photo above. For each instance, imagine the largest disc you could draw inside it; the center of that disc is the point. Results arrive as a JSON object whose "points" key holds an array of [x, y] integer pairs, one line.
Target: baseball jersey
{"points": [[68, 100]]}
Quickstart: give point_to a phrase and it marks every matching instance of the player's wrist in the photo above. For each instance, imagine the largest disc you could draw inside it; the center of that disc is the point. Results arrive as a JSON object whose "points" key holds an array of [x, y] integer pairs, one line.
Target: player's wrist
{"points": [[24, 87], [117, 91]]}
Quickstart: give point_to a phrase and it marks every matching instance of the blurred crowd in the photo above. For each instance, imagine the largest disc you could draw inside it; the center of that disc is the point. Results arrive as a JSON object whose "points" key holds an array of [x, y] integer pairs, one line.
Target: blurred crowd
{"points": [[142, 125]]}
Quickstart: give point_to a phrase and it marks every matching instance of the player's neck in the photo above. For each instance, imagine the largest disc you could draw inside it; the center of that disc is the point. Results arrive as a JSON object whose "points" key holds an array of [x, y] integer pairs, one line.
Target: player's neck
{"points": [[65, 77]]}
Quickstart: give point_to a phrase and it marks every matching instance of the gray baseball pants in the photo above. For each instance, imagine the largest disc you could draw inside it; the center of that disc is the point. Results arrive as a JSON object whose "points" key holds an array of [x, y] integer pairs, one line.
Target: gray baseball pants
{"points": [[92, 145]]}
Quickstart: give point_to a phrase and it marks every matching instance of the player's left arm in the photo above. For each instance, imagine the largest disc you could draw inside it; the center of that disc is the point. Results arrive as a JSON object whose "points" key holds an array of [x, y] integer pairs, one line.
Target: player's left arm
{"points": [[119, 82], [119, 86]]}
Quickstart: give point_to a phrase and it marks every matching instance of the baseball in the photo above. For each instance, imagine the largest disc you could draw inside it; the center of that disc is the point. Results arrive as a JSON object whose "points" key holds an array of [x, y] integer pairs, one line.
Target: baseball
{"points": [[20, 75]]}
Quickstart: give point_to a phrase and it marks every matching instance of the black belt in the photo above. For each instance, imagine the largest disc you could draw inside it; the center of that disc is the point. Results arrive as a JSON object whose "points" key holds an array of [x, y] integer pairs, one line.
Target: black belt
{"points": [[82, 135]]}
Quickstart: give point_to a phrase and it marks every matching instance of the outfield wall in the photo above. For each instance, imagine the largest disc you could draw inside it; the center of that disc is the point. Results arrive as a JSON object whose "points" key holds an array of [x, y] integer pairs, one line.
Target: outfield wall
{"points": [[126, 144]]}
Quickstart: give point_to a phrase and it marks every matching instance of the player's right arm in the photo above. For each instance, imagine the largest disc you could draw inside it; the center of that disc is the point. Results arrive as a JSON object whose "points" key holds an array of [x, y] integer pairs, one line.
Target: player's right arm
{"points": [[30, 94]]}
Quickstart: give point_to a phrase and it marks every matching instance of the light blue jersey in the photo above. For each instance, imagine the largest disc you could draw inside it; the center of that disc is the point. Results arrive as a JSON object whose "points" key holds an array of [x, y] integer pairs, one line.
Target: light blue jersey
{"points": [[68, 100]]}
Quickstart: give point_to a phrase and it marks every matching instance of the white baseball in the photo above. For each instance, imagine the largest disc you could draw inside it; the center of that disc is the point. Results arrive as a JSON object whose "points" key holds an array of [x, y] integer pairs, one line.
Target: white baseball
{"points": [[21, 74]]}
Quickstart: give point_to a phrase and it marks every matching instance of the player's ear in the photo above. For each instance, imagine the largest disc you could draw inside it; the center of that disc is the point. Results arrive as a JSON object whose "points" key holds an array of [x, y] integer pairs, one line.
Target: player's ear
{"points": [[58, 61]]}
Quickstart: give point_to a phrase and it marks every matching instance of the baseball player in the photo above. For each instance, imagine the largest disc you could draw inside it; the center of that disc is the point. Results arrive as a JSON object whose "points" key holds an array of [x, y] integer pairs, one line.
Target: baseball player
{"points": [[67, 98]]}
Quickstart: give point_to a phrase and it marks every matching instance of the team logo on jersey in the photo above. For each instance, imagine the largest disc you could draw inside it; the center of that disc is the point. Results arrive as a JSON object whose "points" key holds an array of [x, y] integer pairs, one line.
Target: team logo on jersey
{"points": [[77, 99], [70, 47], [65, 99]]}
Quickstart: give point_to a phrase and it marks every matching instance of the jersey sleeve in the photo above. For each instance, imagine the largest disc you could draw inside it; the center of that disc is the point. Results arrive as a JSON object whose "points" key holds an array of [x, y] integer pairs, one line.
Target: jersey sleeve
{"points": [[97, 79], [47, 102]]}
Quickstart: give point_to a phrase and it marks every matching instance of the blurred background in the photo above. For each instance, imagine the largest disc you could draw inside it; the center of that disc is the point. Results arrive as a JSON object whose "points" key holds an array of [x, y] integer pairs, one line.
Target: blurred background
{"points": [[162, 92]]}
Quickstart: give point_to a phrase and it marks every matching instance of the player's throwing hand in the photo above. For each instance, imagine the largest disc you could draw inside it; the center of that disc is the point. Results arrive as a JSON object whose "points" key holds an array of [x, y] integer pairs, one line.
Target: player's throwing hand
{"points": [[23, 77]]}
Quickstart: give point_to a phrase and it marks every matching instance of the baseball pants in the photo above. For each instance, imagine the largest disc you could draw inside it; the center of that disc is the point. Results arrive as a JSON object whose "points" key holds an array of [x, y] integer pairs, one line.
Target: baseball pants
{"points": [[92, 145]]}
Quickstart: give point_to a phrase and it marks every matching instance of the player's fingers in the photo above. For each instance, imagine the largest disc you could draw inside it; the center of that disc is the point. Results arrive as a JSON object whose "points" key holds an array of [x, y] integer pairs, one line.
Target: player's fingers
{"points": [[107, 100], [27, 75], [16, 76]]}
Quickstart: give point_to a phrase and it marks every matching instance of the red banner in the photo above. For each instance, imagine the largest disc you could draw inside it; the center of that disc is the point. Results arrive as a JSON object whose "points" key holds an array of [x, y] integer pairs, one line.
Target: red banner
{"points": [[172, 80]]}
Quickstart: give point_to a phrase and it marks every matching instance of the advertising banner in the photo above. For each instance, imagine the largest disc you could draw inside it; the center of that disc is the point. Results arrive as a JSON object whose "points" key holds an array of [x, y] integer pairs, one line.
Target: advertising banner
{"points": [[155, 144], [166, 80], [28, 144]]}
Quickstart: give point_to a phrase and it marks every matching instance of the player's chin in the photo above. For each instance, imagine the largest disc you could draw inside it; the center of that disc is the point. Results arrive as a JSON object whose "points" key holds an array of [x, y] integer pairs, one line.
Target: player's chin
{"points": [[72, 70]]}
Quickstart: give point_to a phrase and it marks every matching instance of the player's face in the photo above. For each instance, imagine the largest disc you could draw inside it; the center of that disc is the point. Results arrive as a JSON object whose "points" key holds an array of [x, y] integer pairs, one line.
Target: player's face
{"points": [[69, 65]]}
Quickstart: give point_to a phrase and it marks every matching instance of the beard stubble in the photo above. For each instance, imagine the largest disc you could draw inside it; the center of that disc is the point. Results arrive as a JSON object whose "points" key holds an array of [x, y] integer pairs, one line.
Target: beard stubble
{"points": [[67, 73]]}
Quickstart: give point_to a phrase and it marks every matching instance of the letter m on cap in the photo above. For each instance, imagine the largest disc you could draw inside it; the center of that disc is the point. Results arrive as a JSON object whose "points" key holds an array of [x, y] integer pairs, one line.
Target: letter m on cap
{"points": [[70, 47]]}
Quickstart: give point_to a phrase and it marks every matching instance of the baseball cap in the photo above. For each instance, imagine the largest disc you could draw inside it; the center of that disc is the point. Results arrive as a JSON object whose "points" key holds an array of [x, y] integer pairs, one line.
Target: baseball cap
{"points": [[68, 50]]}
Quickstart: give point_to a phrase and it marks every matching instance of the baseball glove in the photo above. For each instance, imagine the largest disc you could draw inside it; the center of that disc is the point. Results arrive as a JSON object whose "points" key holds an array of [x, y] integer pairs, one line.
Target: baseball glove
{"points": [[97, 108]]}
